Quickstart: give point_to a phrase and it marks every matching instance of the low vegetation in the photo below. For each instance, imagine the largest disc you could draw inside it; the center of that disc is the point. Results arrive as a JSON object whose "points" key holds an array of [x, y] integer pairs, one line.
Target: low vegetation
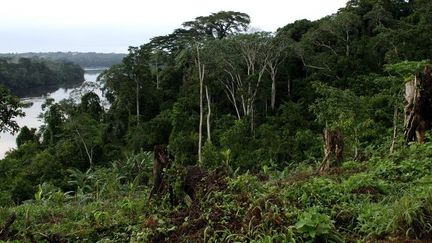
{"points": [[387, 198]]}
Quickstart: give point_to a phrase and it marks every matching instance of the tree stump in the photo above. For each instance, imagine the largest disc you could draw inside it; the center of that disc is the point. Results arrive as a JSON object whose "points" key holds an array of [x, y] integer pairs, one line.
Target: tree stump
{"points": [[191, 179], [418, 110], [5, 229], [333, 148], [160, 162]]}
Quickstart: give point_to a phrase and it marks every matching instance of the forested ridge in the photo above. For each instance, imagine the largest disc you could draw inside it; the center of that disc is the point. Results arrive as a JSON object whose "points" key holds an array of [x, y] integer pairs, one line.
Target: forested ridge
{"points": [[84, 59], [319, 132], [25, 74]]}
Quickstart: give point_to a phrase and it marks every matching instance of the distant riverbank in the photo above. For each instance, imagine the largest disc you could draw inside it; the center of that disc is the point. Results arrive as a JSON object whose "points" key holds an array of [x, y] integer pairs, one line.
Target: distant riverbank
{"points": [[37, 97], [84, 59], [29, 76]]}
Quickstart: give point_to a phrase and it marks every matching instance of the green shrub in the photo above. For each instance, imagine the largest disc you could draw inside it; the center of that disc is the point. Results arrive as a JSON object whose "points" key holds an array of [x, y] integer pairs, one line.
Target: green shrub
{"points": [[413, 216], [365, 183], [212, 157], [322, 192], [313, 225], [375, 219]]}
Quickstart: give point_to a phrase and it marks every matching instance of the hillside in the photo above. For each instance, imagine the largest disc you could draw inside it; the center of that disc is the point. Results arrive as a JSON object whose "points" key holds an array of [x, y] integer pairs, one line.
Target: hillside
{"points": [[386, 199], [319, 132]]}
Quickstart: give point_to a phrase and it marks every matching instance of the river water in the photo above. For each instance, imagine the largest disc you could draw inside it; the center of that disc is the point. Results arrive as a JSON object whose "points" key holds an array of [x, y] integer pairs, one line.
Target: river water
{"points": [[31, 120]]}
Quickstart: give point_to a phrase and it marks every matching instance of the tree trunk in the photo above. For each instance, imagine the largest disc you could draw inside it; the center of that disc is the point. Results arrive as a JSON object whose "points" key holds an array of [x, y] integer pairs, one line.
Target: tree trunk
{"points": [[273, 88], [201, 72], [230, 94], [252, 117], [208, 114], [157, 73], [160, 162], [88, 152], [333, 149], [289, 87], [418, 111], [137, 102], [393, 143], [157, 80], [273, 93], [200, 124]]}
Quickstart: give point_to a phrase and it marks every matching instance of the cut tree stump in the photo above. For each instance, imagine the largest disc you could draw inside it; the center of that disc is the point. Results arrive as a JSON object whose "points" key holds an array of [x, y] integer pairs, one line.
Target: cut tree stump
{"points": [[160, 162], [418, 110], [333, 149]]}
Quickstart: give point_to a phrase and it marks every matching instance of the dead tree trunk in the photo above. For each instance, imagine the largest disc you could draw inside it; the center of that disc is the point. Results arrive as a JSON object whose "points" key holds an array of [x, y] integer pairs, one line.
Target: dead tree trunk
{"points": [[160, 162], [418, 110], [201, 75], [137, 101], [289, 86], [208, 114], [394, 138], [88, 152], [333, 149]]}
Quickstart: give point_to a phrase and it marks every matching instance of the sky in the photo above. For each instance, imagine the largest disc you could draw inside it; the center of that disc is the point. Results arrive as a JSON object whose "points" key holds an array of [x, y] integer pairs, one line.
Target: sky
{"points": [[114, 25]]}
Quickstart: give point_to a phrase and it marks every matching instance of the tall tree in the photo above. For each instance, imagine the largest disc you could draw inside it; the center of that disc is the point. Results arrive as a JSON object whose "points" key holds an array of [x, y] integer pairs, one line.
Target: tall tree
{"points": [[243, 61], [201, 75], [277, 52], [219, 25], [328, 48], [139, 71]]}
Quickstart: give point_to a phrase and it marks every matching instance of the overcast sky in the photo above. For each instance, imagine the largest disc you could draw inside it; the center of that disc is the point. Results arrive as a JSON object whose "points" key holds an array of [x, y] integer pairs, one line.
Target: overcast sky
{"points": [[112, 26]]}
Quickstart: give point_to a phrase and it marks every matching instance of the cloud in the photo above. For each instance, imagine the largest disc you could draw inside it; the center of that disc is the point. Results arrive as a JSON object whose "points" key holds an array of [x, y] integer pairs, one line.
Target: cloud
{"points": [[98, 25]]}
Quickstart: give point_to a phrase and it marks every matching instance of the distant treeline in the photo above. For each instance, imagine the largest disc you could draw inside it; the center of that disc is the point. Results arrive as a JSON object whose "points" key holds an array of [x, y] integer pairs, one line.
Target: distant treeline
{"points": [[88, 59], [25, 74]]}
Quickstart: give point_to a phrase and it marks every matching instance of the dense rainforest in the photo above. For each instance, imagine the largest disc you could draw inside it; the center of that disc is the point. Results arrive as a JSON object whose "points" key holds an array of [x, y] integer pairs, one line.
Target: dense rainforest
{"points": [[84, 59], [319, 132], [25, 74]]}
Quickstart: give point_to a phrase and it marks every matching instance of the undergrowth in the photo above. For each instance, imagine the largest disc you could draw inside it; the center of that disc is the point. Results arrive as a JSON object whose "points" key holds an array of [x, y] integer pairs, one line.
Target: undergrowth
{"points": [[386, 198]]}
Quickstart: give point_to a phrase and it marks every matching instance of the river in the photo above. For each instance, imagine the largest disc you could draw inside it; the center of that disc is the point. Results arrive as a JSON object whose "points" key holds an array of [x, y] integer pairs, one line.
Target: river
{"points": [[31, 120]]}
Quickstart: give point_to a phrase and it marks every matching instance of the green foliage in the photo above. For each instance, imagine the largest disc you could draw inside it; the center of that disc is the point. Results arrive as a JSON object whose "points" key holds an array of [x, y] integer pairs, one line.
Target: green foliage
{"points": [[212, 157], [334, 109], [157, 131], [239, 140], [10, 108], [47, 192], [90, 103], [365, 181], [318, 191], [26, 135], [137, 168], [407, 69], [300, 207], [219, 25], [313, 225]]}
